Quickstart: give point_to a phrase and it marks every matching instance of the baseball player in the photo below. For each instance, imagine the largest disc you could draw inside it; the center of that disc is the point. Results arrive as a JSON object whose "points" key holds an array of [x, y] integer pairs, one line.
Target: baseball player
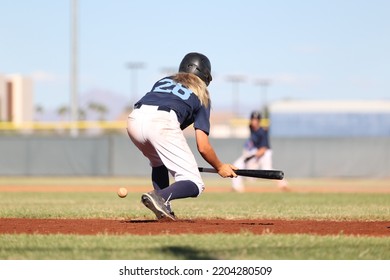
{"points": [[257, 152], [155, 127]]}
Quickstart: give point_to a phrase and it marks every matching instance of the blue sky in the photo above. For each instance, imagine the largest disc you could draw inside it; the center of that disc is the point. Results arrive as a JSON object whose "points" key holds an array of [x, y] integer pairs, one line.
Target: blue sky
{"points": [[317, 50]]}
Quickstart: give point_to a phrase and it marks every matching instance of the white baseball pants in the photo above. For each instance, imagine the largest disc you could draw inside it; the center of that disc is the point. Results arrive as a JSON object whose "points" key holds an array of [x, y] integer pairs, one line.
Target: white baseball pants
{"points": [[158, 136]]}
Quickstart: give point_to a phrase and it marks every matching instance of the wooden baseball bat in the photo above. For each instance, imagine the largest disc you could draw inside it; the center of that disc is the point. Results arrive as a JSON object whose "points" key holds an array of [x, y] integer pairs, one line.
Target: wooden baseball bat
{"points": [[255, 173]]}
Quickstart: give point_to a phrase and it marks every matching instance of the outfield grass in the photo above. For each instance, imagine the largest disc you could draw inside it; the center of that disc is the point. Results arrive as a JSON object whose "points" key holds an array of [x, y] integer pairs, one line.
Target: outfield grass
{"points": [[227, 205]]}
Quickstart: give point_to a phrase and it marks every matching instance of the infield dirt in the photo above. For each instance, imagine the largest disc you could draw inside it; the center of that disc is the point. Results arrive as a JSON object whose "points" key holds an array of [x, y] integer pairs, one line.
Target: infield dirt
{"points": [[196, 226]]}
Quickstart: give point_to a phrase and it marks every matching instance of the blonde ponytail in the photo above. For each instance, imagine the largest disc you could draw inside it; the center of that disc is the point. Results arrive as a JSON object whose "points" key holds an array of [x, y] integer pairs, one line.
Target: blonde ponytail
{"points": [[196, 85]]}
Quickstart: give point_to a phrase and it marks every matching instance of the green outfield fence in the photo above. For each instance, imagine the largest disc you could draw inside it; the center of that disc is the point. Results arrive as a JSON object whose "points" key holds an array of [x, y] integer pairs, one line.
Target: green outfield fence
{"points": [[113, 154]]}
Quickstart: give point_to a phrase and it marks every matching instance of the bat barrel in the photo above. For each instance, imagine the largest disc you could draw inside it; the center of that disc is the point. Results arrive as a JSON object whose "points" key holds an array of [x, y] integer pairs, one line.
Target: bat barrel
{"points": [[264, 174]]}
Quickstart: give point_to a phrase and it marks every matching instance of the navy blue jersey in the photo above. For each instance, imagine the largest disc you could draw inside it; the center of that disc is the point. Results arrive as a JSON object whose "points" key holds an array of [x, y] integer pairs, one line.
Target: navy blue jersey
{"points": [[266, 132], [257, 139], [166, 92]]}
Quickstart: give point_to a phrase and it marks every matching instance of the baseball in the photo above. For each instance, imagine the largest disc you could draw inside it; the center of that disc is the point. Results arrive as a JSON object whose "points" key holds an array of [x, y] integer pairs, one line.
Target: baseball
{"points": [[122, 192]]}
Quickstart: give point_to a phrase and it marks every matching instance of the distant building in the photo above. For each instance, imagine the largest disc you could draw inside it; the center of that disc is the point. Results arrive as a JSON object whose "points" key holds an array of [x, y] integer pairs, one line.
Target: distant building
{"points": [[330, 118], [16, 99]]}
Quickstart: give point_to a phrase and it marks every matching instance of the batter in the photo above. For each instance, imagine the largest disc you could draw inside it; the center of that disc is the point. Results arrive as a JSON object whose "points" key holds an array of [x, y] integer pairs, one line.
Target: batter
{"points": [[156, 127]]}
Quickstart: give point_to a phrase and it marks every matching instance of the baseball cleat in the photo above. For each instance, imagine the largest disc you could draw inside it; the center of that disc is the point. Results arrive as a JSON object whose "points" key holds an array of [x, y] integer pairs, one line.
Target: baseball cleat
{"points": [[156, 204], [173, 214]]}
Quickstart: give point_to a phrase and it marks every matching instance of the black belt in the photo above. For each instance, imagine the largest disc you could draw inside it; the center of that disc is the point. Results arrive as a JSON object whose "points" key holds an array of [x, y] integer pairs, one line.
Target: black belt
{"points": [[159, 108]]}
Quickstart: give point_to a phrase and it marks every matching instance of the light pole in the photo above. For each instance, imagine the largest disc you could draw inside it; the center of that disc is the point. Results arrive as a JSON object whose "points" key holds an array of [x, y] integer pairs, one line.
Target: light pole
{"points": [[235, 80], [264, 84], [134, 66], [74, 71]]}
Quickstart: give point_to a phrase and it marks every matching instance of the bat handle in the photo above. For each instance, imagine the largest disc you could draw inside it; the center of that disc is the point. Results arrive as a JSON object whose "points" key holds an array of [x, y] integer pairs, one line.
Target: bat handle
{"points": [[208, 170]]}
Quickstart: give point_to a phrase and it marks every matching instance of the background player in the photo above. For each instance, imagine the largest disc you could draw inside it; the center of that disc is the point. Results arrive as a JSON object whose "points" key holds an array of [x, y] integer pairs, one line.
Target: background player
{"points": [[155, 127], [257, 152]]}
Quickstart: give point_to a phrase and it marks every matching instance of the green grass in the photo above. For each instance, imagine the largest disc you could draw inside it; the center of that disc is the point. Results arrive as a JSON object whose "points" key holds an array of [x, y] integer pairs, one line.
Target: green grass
{"points": [[291, 205], [317, 206], [193, 247]]}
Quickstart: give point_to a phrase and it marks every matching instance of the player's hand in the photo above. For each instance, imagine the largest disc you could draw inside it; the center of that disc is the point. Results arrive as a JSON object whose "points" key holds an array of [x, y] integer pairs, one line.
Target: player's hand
{"points": [[227, 170]]}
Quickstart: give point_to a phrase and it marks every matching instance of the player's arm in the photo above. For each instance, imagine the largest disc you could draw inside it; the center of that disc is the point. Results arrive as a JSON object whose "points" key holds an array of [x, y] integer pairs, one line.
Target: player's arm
{"points": [[207, 152], [260, 152]]}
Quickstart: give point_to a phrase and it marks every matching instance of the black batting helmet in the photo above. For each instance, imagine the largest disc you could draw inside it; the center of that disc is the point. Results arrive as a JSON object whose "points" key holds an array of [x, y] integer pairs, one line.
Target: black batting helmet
{"points": [[256, 115], [198, 64]]}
